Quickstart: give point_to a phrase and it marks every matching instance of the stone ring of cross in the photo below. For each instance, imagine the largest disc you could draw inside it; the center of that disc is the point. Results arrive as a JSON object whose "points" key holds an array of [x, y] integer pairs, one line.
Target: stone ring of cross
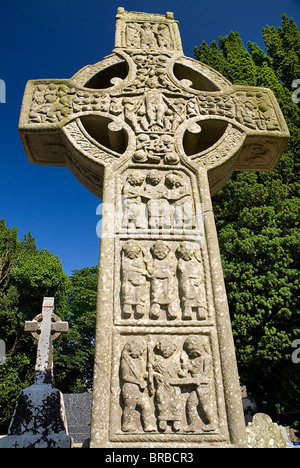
{"points": [[34, 327]]}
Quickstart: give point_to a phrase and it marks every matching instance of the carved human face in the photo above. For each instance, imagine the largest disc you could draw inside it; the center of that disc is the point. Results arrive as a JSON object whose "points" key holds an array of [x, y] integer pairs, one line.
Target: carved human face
{"points": [[135, 180], [131, 250], [153, 178], [186, 252], [166, 348], [160, 251], [173, 180], [194, 352], [167, 142], [146, 26], [193, 347], [136, 349], [132, 254]]}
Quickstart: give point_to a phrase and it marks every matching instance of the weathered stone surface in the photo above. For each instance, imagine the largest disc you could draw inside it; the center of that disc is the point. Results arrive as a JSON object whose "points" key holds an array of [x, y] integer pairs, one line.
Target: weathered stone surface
{"points": [[263, 433], [78, 407], [155, 134], [39, 420], [46, 328]]}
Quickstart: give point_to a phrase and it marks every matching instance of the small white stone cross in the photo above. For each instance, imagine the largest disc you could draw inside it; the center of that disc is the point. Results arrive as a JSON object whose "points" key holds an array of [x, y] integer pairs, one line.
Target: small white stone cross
{"points": [[45, 327]]}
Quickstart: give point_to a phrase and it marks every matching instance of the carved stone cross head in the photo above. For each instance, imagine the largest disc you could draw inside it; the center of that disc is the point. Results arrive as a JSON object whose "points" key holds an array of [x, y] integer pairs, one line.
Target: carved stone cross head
{"points": [[45, 327], [148, 103]]}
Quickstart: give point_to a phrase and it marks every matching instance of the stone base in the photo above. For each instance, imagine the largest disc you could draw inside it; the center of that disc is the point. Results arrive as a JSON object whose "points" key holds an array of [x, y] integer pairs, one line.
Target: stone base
{"points": [[61, 440], [38, 420]]}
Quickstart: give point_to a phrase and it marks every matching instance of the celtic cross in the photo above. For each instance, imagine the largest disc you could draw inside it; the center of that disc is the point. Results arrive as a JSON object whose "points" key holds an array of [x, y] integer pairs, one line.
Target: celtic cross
{"points": [[155, 134], [46, 328]]}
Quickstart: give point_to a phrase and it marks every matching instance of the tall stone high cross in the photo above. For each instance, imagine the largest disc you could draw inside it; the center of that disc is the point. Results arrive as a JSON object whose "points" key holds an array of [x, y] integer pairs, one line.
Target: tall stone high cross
{"points": [[155, 135]]}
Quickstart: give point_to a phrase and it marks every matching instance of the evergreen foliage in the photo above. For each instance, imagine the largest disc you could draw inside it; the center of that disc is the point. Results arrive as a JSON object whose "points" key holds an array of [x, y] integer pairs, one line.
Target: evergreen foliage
{"points": [[258, 222], [26, 276], [74, 364]]}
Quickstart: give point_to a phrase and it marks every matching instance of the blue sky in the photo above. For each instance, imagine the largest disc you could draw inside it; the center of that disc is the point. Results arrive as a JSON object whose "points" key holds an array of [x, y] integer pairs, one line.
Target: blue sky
{"points": [[56, 38]]}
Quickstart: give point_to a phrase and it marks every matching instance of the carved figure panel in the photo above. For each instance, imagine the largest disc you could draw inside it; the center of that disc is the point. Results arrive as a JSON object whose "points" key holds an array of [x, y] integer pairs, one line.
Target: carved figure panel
{"points": [[51, 103], [157, 200], [153, 112], [252, 109], [167, 385], [154, 148], [148, 35], [163, 282]]}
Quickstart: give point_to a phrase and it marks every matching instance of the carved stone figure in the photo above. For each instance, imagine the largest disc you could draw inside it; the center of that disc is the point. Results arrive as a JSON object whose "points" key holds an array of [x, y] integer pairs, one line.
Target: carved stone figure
{"points": [[155, 108], [133, 280], [158, 207], [116, 107], [132, 36], [134, 215], [166, 368], [178, 112], [180, 200], [162, 269], [191, 281], [133, 382], [147, 37], [200, 399], [163, 36]]}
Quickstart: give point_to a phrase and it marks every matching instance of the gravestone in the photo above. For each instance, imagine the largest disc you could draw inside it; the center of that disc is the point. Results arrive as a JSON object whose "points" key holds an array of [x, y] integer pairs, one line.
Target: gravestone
{"points": [[155, 134], [39, 417], [78, 407]]}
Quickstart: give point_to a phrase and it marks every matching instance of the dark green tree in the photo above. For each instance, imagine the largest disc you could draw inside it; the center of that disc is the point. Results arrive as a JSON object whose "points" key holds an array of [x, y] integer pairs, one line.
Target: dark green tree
{"points": [[258, 222], [283, 47], [26, 276], [75, 355]]}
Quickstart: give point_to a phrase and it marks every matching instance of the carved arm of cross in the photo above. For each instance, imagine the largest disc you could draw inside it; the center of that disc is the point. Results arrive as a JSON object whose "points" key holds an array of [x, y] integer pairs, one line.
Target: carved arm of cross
{"points": [[45, 327]]}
